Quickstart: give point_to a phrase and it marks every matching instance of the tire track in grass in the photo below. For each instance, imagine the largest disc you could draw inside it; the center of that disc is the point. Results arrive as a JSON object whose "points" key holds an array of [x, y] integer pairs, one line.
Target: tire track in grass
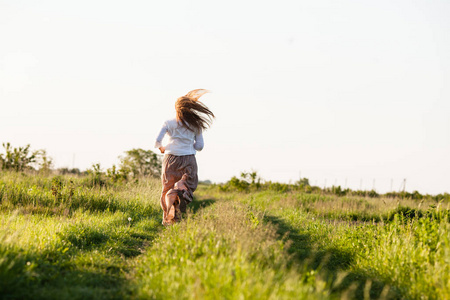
{"points": [[332, 262], [310, 250], [222, 250], [407, 254]]}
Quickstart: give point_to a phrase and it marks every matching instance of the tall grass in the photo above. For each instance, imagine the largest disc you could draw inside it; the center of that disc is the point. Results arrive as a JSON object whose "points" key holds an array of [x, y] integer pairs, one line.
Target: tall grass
{"points": [[415, 256], [224, 252], [69, 238], [61, 239], [409, 252]]}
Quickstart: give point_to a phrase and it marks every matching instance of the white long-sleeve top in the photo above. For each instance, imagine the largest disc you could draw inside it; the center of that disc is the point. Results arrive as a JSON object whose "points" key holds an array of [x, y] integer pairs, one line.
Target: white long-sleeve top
{"points": [[182, 141]]}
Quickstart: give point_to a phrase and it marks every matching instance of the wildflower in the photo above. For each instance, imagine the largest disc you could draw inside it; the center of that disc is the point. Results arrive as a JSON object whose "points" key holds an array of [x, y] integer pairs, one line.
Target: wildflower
{"points": [[129, 219], [28, 263]]}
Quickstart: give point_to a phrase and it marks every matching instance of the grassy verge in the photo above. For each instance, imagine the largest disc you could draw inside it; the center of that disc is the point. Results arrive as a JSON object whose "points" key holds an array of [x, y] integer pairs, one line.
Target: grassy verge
{"points": [[400, 258], [73, 243]]}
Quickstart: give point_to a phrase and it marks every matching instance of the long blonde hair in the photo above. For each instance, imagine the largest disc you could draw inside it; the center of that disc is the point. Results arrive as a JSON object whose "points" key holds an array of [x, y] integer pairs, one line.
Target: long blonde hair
{"points": [[192, 113]]}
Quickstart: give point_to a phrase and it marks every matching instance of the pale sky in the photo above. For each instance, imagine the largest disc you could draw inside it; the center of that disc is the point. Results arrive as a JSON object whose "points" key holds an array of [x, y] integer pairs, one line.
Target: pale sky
{"points": [[341, 92]]}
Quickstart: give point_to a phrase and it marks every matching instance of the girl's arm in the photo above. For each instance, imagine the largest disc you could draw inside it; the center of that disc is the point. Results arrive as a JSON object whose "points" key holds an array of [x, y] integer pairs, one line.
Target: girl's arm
{"points": [[199, 143], [160, 137]]}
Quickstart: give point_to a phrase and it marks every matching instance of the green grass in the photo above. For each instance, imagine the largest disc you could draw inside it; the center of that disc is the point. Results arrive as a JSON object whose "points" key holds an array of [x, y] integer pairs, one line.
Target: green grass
{"points": [[404, 257], [66, 238], [223, 252], [72, 247]]}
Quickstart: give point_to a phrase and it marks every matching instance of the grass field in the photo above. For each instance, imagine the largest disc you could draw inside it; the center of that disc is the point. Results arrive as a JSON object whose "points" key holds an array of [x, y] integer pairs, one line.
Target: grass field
{"points": [[67, 238]]}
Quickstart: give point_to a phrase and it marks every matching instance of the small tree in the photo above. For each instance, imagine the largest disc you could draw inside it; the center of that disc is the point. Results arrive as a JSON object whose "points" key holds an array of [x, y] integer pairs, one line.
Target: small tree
{"points": [[17, 159], [303, 182], [139, 162], [252, 177], [115, 174], [43, 162], [96, 174]]}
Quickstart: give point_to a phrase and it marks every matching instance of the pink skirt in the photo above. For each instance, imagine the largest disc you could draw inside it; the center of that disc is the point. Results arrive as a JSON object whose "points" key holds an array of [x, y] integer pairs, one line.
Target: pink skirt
{"points": [[173, 168]]}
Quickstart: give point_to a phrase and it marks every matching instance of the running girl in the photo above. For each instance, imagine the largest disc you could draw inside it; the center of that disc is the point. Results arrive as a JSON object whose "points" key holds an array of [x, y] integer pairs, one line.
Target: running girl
{"points": [[185, 138]]}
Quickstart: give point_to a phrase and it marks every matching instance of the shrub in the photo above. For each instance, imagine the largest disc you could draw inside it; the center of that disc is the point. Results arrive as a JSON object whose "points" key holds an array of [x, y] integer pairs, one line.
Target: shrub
{"points": [[17, 159], [139, 162]]}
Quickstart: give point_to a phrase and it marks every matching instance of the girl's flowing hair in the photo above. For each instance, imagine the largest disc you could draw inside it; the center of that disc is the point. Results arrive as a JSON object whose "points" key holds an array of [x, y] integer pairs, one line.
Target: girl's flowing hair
{"points": [[192, 113]]}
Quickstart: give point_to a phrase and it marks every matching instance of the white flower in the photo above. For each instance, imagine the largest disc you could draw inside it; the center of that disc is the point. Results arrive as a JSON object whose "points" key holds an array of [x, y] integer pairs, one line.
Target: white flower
{"points": [[129, 219]]}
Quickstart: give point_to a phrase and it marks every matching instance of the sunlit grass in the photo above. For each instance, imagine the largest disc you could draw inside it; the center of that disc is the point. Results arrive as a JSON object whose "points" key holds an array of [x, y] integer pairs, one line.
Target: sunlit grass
{"points": [[76, 245], [65, 238], [224, 252], [408, 256]]}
